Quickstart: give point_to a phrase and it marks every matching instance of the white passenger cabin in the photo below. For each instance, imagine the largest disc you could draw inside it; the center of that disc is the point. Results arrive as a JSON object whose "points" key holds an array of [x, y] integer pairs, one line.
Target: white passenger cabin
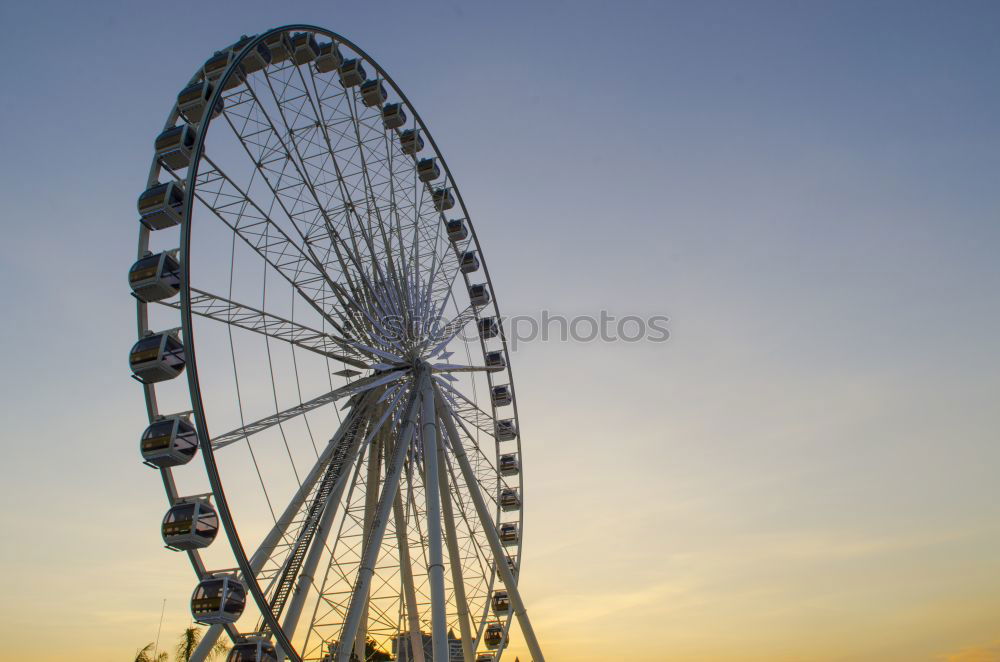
{"points": [[495, 360], [256, 59], [457, 230], [443, 199], [191, 523], [173, 146], [510, 500], [352, 73], [373, 93], [501, 395], [500, 603], [479, 294], [393, 115], [161, 206], [253, 648], [509, 535], [506, 429], [488, 328], [157, 357], [428, 170], [218, 600], [493, 635], [469, 262], [214, 67], [329, 58], [192, 100], [155, 277], [277, 45], [410, 141], [509, 465], [168, 441], [304, 47]]}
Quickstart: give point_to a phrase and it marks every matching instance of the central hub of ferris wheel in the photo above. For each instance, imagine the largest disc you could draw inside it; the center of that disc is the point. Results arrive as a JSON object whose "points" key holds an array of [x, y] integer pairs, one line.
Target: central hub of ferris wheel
{"points": [[351, 393]]}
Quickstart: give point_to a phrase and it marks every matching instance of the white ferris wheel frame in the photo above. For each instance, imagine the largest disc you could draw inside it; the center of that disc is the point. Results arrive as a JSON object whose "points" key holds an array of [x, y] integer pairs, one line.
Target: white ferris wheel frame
{"points": [[428, 404]]}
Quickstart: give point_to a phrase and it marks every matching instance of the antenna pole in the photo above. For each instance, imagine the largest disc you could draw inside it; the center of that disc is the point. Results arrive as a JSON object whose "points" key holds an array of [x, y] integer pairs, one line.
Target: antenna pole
{"points": [[159, 628]]}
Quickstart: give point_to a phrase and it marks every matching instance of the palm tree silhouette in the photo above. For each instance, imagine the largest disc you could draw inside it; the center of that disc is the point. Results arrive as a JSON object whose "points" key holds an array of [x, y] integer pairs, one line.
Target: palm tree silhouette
{"points": [[186, 645], [145, 654], [189, 641]]}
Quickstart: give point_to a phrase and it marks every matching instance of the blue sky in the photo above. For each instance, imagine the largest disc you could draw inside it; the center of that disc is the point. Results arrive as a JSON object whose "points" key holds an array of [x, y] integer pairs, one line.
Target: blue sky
{"points": [[810, 191]]}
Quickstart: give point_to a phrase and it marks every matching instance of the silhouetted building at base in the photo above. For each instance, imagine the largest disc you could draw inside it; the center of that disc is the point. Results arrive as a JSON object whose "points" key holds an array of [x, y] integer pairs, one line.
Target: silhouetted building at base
{"points": [[402, 650]]}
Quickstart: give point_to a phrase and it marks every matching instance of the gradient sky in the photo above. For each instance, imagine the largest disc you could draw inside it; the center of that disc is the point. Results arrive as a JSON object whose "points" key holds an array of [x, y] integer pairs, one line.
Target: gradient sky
{"points": [[810, 191]]}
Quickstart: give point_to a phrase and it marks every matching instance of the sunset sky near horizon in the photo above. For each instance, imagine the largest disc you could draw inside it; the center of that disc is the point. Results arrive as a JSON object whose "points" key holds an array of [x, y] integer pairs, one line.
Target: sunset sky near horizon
{"points": [[810, 191]]}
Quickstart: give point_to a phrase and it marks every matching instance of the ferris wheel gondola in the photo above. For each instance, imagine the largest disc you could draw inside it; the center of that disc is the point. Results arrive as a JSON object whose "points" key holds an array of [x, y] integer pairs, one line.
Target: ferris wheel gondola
{"points": [[297, 239]]}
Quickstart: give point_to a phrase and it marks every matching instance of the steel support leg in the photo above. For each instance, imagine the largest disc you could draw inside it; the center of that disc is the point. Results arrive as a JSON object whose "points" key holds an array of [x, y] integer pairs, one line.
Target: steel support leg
{"points": [[435, 555], [454, 558], [499, 556], [370, 557], [406, 573]]}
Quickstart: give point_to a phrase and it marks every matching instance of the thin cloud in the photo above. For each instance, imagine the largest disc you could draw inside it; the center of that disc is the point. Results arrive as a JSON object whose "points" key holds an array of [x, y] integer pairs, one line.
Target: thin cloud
{"points": [[983, 653]]}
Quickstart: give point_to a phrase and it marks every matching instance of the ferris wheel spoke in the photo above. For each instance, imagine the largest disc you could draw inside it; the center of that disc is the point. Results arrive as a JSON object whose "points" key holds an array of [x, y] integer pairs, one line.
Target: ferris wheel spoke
{"points": [[452, 367], [484, 464], [451, 330], [271, 541], [309, 486], [388, 356], [357, 386], [407, 283], [297, 133], [467, 410], [289, 196], [255, 227], [397, 183], [499, 556], [316, 123], [394, 285], [213, 306], [378, 334], [392, 206]]}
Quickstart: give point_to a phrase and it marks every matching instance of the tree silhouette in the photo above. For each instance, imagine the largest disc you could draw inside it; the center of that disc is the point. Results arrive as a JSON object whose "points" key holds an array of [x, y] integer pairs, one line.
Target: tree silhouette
{"points": [[184, 649], [189, 641], [374, 653], [145, 654]]}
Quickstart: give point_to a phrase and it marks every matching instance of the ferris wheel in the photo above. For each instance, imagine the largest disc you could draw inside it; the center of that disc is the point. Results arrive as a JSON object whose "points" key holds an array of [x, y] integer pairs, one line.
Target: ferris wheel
{"points": [[351, 395]]}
